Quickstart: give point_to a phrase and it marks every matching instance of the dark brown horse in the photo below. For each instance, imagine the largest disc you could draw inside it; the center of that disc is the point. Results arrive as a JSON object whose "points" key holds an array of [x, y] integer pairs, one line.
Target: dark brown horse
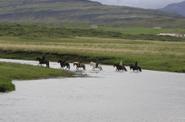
{"points": [[64, 64], [120, 67], [79, 65], [43, 61], [135, 67]]}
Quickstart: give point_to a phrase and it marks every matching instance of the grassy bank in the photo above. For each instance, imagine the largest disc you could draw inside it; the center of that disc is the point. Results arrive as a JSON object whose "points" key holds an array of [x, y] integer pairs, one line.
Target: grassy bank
{"points": [[10, 71], [154, 55], [105, 44]]}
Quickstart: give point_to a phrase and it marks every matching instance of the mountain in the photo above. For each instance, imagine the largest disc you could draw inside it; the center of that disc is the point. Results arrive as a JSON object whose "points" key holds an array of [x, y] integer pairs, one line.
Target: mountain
{"points": [[82, 11], [178, 8]]}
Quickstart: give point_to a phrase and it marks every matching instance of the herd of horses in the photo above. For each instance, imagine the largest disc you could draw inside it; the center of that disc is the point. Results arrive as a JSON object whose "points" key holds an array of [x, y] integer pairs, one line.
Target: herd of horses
{"points": [[94, 65]]}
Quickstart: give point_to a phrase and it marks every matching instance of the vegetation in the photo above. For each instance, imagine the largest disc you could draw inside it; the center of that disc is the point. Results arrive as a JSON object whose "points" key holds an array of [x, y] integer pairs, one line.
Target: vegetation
{"points": [[6, 85], [10, 71], [104, 44], [92, 31], [156, 55], [33, 31]]}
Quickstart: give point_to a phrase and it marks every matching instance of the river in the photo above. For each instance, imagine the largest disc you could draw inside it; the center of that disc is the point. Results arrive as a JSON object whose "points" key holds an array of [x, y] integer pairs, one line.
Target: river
{"points": [[106, 96]]}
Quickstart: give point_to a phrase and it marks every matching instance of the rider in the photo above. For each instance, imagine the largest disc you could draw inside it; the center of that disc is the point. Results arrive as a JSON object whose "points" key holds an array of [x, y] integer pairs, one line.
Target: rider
{"points": [[136, 64], [43, 57], [121, 63]]}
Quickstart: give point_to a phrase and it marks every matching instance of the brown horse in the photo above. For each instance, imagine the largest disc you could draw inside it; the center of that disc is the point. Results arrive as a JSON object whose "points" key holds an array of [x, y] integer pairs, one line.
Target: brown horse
{"points": [[64, 64], [79, 65], [43, 61], [135, 67], [120, 67]]}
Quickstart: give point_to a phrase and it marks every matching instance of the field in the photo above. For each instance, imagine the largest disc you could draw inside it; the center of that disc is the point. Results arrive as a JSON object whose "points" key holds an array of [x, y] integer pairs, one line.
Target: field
{"points": [[155, 55], [104, 44], [10, 71]]}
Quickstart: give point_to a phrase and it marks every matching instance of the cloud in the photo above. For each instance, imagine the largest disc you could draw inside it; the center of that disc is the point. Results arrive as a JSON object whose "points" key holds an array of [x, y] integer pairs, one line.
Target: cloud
{"points": [[140, 3]]}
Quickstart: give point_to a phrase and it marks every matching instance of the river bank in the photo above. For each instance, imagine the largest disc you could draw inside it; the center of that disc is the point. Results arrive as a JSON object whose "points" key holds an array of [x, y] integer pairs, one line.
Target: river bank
{"points": [[11, 71], [160, 62]]}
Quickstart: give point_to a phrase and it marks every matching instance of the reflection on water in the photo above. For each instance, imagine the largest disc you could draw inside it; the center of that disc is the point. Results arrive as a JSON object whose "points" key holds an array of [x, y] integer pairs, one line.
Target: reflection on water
{"points": [[107, 96]]}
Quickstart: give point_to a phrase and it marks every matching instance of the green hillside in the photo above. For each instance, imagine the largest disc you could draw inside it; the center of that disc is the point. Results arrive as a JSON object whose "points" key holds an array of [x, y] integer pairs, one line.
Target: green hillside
{"points": [[83, 11]]}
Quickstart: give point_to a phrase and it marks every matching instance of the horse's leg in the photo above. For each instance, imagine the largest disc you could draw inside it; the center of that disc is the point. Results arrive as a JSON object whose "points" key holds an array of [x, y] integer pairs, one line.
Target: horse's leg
{"points": [[140, 69], [100, 68], [125, 68], [60, 65], [47, 65]]}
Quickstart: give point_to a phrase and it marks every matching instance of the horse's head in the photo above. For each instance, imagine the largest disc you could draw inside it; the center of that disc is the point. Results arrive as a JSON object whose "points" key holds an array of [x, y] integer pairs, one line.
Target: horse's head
{"points": [[59, 61], [74, 63]]}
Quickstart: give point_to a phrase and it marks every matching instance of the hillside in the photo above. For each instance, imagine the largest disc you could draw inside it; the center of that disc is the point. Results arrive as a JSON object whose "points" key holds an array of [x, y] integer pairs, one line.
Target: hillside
{"points": [[83, 11], [178, 8]]}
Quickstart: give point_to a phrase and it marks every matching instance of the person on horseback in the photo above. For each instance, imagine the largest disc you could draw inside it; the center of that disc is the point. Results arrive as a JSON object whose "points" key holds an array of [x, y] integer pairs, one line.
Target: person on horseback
{"points": [[121, 63], [136, 64], [43, 58]]}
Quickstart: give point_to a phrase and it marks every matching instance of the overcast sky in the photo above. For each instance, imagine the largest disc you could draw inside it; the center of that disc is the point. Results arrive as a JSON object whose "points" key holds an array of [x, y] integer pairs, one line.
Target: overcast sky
{"points": [[140, 3]]}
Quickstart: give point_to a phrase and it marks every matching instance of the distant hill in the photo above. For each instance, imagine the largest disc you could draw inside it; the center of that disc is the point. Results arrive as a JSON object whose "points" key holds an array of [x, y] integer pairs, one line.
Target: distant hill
{"points": [[178, 8], [83, 11]]}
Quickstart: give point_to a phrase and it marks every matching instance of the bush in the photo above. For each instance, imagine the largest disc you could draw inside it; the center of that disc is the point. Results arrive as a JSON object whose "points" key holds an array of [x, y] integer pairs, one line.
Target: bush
{"points": [[6, 85]]}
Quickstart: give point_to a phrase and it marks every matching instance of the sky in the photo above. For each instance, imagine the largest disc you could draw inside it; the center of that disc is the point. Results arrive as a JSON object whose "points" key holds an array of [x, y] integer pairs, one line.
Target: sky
{"points": [[153, 4]]}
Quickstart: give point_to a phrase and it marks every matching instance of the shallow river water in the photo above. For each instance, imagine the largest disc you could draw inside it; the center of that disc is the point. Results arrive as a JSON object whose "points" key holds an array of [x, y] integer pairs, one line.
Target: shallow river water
{"points": [[107, 96]]}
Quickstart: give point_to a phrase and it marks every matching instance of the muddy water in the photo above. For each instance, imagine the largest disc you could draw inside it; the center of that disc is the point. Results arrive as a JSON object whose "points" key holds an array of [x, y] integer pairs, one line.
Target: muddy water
{"points": [[107, 96]]}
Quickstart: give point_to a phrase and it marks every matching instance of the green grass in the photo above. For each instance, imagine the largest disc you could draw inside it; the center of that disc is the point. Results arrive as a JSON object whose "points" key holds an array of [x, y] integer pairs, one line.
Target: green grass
{"points": [[6, 85], [10, 71], [32, 31], [141, 30], [154, 55], [106, 44]]}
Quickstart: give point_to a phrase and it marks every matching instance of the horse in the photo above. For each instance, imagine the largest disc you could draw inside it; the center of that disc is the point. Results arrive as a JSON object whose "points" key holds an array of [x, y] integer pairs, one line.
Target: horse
{"points": [[135, 67], [95, 65], [43, 61], [64, 64], [79, 65], [120, 67]]}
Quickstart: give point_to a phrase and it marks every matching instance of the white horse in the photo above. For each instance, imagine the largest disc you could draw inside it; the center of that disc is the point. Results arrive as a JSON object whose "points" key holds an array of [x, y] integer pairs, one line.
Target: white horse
{"points": [[94, 66]]}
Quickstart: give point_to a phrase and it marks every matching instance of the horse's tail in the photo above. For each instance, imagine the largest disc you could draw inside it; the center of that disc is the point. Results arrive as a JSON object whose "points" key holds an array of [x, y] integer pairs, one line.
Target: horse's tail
{"points": [[125, 68], [68, 65]]}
